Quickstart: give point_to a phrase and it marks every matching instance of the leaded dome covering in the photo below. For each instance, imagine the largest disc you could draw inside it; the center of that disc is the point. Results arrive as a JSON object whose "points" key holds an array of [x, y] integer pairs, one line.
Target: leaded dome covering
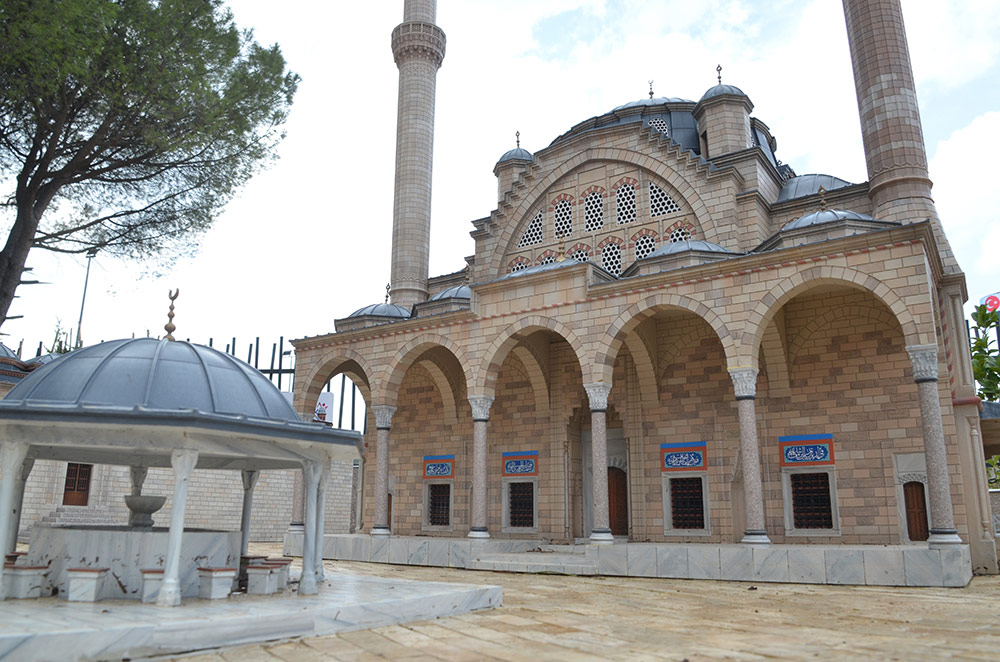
{"points": [[382, 310], [826, 216], [516, 154], [457, 292], [719, 90], [674, 247]]}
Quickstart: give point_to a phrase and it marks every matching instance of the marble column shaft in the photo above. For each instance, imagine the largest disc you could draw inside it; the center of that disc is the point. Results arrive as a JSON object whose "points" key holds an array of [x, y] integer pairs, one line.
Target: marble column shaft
{"points": [[745, 387], [12, 455], [249, 483], [183, 461], [942, 515], [310, 479], [598, 396], [480, 421], [298, 501], [15, 522], [383, 423]]}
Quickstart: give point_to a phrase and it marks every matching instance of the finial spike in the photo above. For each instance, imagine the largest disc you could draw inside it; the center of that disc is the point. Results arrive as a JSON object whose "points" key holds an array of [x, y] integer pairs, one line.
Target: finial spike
{"points": [[169, 326], [822, 198], [388, 289], [718, 71], [650, 89], [517, 136]]}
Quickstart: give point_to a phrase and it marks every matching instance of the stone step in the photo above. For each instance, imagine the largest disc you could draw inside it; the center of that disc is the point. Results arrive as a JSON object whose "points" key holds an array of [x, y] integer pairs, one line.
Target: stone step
{"points": [[562, 564]]}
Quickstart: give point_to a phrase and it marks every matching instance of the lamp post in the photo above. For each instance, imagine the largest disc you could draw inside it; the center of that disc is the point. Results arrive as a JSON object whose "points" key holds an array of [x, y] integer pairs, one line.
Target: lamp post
{"points": [[91, 252]]}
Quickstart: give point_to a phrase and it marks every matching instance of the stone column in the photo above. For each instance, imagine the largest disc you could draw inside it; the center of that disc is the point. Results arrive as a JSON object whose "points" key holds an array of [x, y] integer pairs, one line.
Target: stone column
{"points": [[138, 476], [310, 479], [925, 373], [12, 456], [183, 461], [598, 395], [321, 488], [383, 422], [480, 419], [745, 386], [250, 477], [15, 523]]}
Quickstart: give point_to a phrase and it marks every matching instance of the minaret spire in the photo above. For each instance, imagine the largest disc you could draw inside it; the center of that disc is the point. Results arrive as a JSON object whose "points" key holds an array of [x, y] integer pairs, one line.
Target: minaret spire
{"points": [[418, 47]]}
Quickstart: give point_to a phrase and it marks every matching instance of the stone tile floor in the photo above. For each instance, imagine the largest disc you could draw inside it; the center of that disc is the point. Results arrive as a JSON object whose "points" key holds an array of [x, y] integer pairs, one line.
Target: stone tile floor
{"points": [[551, 617]]}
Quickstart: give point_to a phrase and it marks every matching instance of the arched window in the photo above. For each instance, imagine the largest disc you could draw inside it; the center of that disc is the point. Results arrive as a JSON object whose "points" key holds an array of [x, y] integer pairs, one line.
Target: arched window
{"points": [[548, 259], [680, 234], [593, 212], [611, 259], [533, 234], [581, 256], [564, 218], [660, 203], [659, 125], [644, 245], [626, 204]]}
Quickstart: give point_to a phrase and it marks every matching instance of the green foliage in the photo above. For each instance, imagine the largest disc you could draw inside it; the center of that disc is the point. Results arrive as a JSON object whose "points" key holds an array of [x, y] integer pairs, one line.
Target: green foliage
{"points": [[61, 342], [132, 122], [993, 472], [985, 356]]}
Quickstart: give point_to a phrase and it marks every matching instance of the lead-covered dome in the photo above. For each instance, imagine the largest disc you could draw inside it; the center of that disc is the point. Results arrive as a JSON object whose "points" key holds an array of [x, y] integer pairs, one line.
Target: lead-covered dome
{"points": [[826, 216], [674, 247], [720, 90], [382, 310], [153, 374], [516, 154], [456, 292]]}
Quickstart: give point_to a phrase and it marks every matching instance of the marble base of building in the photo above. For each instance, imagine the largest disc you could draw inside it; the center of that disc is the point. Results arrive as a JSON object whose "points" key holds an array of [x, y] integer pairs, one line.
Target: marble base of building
{"points": [[871, 565]]}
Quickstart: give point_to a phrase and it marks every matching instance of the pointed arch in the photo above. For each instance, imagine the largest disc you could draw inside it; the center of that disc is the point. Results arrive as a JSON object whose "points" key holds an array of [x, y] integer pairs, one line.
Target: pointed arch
{"points": [[310, 382]]}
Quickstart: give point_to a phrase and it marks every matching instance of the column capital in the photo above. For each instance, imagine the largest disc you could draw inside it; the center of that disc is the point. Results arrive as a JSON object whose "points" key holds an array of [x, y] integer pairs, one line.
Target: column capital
{"points": [[250, 477], [925, 362], [481, 407], [183, 459], [383, 416], [598, 393], [744, 382]]}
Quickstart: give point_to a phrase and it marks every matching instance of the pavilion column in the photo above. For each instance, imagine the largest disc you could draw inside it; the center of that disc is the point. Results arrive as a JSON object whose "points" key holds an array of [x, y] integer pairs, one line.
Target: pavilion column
{"points": [[298, 503], [598, 394], [12, 456], [383, 422], [183, 461], [745, 386], [310, 478], [15, 524], [925, 373], [321, 488], [480, 420], [250, 477]]}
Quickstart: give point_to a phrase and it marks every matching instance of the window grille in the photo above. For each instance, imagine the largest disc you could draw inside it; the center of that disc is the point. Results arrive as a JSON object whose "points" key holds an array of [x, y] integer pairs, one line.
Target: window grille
{"points": [[644, 245], [811, 501], [626, 204], [564, 218], [660, 203], [657, 124], [518, 266], [593, 211], [581, 256], [439, 504], [521, 504], [611, 259], [680, 234], [533, 234], [548, 259], [687, 504]]}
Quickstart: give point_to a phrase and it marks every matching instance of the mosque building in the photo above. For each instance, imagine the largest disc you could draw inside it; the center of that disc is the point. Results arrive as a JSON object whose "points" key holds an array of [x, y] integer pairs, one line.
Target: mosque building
{"points": [[666, 335]]}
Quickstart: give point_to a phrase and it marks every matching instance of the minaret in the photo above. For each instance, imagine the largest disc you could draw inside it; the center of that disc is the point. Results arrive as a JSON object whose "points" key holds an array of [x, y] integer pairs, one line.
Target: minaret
{"points": [[418, 48], [899, 187]]}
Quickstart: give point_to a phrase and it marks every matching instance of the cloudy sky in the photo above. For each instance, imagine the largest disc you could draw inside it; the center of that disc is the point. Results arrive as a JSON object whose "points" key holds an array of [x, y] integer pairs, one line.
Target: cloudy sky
{"points": [[308, 241]]}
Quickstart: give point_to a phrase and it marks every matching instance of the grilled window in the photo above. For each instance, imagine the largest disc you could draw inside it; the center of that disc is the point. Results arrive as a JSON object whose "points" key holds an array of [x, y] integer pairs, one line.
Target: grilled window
{"points": [[521, 504], [439, 504], [811, 507], [687, 504]]}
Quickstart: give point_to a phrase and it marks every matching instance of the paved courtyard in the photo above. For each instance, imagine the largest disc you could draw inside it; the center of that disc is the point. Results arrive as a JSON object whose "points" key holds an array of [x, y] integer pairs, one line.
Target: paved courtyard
{"points": [[551, 617]]}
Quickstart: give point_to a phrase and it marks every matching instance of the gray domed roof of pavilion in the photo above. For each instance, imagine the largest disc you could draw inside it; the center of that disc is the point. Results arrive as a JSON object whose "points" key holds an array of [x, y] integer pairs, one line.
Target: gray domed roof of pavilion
{"points": [[674, 247], [803, 185], [655, 101], [516, 154], [719, 90], [7, 352], [457, 292], [382, 310], [162, 375], [825, 216]]}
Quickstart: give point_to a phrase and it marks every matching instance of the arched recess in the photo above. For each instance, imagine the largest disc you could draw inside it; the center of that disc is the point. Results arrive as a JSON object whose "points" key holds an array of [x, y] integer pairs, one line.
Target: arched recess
{"points": [[344, 361], [486, 378], [876, 314], [773, 350], [608, 348], [448, 403], [759, 318], [449, 357], [670, 173], [537, 374]]}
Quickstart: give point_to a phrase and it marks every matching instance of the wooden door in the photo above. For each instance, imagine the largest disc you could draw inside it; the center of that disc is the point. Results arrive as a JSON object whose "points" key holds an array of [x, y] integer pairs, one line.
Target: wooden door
{"points": [[617, 501], [916, 510], [77, 484]]}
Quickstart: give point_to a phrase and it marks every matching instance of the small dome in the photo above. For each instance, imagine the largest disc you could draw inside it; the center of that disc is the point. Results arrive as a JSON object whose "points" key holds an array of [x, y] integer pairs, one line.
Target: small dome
{"points": [[7, 352], [803, 185], [154, 374], [539, 268], [457, 292], [674, 247], [651, 102], [382, 310], [825, 216], [719, 90], [516, 154]]}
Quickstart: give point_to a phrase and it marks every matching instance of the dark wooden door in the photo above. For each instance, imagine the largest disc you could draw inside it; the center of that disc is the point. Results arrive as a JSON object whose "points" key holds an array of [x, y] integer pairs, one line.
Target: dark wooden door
{"points": [[916, 510], [77, 484], [617, 501]]}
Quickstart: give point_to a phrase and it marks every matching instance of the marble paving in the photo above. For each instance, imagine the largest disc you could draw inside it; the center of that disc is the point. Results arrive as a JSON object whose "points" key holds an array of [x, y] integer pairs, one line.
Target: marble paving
{"points": [[53, 629]]}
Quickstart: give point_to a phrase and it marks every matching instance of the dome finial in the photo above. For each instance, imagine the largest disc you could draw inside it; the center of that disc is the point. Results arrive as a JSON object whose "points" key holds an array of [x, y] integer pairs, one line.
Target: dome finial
{"points": [[822, 198], [718, 71], [517, 137], [650, 89], [169, 326], [388, 289]]}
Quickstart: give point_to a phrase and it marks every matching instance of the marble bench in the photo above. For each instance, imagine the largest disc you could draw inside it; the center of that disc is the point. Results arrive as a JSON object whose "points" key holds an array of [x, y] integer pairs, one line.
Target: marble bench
{"points": [[85, 584], [24, 581], [216, 583]]}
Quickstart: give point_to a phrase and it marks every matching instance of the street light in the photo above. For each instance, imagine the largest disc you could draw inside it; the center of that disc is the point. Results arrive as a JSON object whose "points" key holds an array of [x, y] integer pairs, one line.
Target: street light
{"points": [[91, 252]]}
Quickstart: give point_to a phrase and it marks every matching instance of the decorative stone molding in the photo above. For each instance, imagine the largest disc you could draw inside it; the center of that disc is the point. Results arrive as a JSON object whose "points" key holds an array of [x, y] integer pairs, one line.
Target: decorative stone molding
{"points": [[925, 362], [744, 382], [419, 40], [250, 477], [383, 416], [480, 407], [598, 393], [903, 479]]}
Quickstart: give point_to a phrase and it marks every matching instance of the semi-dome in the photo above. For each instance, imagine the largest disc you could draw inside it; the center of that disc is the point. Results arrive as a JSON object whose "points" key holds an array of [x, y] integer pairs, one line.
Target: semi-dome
{"points": [[719, 90], [153, 374], [457, 292], [382, 310], [674, 247], [826, 216], [516, 154]]}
